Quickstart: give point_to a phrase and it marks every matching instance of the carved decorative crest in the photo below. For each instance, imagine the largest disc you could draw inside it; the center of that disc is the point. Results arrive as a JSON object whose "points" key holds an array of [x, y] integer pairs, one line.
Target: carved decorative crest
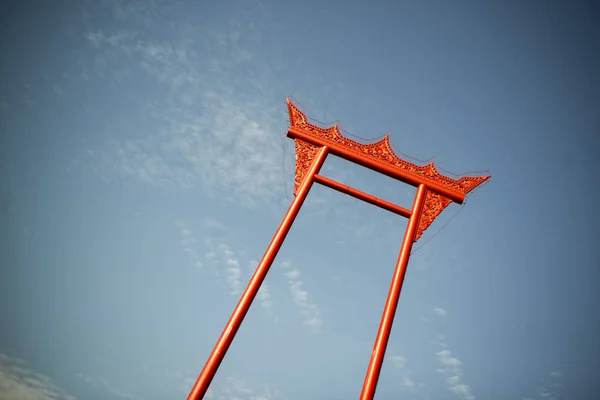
{"points": [[434, 205], [305, 153], [381, 153]]}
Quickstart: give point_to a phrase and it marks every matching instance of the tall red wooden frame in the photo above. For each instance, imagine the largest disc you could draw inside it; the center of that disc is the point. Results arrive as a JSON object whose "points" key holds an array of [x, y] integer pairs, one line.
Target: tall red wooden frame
{"points": [[434, 193]]}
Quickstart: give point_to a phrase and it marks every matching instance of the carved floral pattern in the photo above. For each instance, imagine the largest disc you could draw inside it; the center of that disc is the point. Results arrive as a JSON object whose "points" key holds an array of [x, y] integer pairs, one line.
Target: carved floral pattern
{"points": [[305, 154], [434, 205], [382, 152]]}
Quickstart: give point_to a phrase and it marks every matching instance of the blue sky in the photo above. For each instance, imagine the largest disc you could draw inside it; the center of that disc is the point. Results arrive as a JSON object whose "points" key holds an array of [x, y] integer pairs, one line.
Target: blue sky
{"points": [[144, 169]]}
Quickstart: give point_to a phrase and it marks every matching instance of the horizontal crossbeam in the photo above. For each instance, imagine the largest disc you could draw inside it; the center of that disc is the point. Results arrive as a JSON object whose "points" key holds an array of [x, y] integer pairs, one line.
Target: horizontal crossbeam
{"points": [[357, 158], [386, 205]]}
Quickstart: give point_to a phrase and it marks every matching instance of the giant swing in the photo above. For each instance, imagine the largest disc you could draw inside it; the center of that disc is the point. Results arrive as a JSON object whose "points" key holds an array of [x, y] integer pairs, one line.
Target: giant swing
{"points": [[313, 144]]}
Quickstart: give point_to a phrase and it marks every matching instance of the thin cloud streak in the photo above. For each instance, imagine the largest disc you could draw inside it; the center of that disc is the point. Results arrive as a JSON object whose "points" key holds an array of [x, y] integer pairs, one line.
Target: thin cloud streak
{"points": [[240, 389], [405, 380], [309, 311], [551, 389], [107, 387], [232, 269], [18, 382], [189, 244], [440, 312], [452, 369]]}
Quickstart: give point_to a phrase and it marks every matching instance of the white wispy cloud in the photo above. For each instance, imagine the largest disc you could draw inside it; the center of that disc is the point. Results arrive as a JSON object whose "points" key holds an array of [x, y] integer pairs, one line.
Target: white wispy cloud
{"points": [[206, 131], [440, 312], [404, 380], [18, 382], [452, 369], [309, 311], [189, 244], [202, 249], [551, 390], [407, 382], [214, 225], [264, 296], [397, 361], [210, 256], [232, 268], [240, 389], [221, 256], [103, 384]]}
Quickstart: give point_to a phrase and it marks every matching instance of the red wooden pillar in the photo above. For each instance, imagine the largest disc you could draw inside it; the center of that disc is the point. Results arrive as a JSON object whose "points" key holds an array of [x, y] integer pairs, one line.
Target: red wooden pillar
{"points": [[389, 311], [218, 353]]}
